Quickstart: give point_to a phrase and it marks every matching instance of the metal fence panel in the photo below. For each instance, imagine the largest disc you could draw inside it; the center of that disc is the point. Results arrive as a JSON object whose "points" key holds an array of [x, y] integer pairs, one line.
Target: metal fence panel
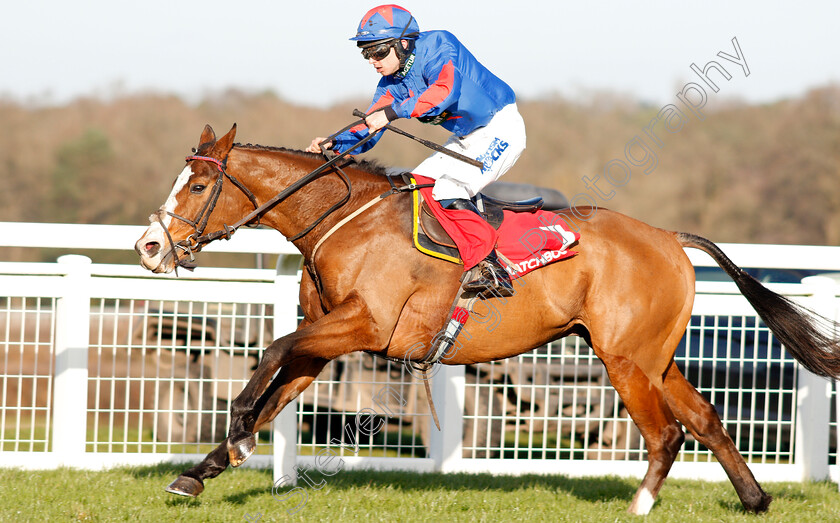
{"points": [[27, 332], [163, 358]]}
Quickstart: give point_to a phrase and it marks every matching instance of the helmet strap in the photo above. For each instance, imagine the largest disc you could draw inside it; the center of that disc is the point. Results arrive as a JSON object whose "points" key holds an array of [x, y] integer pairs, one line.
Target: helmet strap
{"points": [[405, 55], [402, 53]]}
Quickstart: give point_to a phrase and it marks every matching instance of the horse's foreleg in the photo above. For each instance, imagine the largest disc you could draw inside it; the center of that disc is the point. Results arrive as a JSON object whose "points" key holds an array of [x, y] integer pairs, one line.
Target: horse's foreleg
{"points": [[663, 437], [345, 329], [291, 381], [701, 418], [191, 482], [244, 410]]}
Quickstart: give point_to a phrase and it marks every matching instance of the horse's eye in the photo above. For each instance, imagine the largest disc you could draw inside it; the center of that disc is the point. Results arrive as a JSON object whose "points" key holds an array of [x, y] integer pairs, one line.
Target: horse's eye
{"points": [[197, 188]]}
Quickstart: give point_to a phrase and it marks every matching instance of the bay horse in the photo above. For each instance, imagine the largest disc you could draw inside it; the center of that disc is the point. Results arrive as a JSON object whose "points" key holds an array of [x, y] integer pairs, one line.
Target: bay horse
{"points": [[628, 292]]}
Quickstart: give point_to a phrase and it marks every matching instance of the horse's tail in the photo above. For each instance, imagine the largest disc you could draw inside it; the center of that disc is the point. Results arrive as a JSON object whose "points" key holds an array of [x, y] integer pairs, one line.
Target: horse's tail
{"points": [[808, 336]]}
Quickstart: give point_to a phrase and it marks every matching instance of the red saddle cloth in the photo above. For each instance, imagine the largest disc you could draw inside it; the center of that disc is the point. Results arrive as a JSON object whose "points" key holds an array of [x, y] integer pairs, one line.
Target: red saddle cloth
{"points": [[528, 240]]}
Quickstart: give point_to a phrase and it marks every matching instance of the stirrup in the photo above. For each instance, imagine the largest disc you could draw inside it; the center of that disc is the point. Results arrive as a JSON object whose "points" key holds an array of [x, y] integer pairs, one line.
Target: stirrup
{"points": [[492, 277]]}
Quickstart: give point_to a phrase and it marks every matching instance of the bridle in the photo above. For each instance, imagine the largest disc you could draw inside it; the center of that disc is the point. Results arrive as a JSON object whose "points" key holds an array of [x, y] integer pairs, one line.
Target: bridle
{"points": [[194, 241], [197, 239]]}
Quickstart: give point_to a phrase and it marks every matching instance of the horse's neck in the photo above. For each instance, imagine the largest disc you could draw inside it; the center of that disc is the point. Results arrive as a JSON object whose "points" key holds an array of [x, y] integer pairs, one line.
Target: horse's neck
{"points": [[310, 202]]}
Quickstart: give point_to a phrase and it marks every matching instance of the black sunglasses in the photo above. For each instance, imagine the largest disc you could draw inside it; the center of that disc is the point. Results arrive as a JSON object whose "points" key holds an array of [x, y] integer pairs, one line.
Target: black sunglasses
{"points": [[377, 52]]}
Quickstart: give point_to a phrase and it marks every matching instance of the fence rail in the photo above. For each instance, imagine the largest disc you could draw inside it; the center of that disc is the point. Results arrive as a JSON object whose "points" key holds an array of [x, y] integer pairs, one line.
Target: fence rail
{"points": [[105, 364]]}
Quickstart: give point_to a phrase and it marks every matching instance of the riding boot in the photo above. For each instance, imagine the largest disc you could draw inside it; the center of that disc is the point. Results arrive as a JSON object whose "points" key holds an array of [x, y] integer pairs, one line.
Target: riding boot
{"points": [[492, 276]]}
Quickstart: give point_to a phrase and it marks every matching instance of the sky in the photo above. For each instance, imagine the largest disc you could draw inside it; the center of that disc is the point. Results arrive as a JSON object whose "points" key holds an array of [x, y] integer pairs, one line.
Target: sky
{"points": [[55, 51]]}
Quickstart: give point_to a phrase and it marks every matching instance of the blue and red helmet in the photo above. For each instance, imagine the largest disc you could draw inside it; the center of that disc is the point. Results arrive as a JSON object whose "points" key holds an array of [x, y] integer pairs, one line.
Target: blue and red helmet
{"points": [[385, 22]]}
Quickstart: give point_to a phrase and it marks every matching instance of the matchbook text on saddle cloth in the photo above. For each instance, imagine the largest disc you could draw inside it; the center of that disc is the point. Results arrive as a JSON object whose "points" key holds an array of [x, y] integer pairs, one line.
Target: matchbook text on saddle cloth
{"points": [[534, 240]]}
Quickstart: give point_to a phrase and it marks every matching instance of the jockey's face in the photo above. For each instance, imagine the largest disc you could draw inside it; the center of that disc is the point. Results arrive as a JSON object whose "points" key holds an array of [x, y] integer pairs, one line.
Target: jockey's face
{"points": [[388, 65]]}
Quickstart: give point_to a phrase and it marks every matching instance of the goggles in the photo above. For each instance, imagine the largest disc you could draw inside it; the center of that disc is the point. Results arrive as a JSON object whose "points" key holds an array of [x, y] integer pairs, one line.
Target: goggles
{"points": [[378, 52]]}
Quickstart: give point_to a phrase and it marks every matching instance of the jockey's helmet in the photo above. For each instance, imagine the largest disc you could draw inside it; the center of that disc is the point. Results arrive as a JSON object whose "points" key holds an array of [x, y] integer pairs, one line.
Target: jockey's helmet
{"points": [[386, 22]]}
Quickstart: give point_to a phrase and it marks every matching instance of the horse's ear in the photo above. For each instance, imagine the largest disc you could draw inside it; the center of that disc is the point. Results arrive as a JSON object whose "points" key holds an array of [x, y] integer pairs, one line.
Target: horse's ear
{"points": [[208, 137], [224, 144]]}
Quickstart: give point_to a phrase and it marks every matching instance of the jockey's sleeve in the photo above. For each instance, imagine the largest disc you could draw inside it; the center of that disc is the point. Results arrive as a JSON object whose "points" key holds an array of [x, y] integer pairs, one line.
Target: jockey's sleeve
{"points": [[381, 98]]}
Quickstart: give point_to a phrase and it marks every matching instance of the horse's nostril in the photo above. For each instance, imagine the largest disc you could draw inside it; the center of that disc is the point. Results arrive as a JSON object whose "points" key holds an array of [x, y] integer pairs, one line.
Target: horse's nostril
{"points": [[152, 248]]}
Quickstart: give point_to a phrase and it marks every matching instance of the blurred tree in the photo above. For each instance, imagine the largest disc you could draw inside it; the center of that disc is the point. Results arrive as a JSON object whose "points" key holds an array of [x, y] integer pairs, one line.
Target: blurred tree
{"points": [[765, 173], [81, 178]]}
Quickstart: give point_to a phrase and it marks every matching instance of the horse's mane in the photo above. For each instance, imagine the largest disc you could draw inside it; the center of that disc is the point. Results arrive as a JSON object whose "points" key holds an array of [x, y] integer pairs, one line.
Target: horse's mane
{"points": [[371, 167]]}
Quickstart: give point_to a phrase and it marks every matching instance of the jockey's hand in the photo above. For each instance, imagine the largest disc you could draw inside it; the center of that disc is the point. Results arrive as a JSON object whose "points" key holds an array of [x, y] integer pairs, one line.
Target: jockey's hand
{"points": [[376, 120], [313, 147]]}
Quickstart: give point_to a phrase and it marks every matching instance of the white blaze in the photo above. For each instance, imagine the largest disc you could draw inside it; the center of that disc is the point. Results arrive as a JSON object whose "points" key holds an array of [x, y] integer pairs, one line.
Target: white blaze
{"points": [[171, 202]]}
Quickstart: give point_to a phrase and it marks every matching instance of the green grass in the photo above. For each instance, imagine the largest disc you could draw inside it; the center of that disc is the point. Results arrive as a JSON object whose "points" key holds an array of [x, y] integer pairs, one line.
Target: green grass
{"points": [[136, 494]]}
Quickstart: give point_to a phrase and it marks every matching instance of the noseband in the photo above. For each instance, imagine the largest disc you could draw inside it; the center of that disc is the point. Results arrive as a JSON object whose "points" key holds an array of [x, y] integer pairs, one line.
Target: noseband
{"points": [[194, 241]]}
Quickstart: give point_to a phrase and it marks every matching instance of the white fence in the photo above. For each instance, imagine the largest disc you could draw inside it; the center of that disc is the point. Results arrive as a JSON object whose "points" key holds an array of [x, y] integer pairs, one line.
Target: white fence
{"points": [[104, 365]]}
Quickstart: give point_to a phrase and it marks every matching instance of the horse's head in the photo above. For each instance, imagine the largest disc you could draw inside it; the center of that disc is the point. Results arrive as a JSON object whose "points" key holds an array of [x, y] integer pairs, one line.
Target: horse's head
{"points": [[197, 205]]}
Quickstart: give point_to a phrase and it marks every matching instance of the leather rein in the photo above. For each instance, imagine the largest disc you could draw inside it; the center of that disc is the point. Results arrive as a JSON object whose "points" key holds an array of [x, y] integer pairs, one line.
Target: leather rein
{"points": [[198, 238]]}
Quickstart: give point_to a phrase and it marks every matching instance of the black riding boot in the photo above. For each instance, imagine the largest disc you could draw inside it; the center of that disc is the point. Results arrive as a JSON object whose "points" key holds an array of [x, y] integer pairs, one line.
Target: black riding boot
{"points": [[492, 276]]}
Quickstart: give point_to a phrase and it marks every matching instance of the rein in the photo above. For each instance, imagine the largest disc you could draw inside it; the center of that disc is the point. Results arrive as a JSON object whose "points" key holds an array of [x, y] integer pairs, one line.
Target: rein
{"points": [[195, 241], [394, 190]]}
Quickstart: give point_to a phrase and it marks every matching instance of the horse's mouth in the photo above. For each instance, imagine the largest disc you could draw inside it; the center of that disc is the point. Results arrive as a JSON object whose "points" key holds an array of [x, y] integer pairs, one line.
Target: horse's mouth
{"points": [[153, 257], [162, 260], [158, 251], [157, 264]]}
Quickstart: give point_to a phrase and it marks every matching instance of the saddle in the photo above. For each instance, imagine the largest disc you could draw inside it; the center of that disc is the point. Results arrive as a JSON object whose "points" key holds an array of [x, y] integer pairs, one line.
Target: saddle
{"points": [[430, 237]]}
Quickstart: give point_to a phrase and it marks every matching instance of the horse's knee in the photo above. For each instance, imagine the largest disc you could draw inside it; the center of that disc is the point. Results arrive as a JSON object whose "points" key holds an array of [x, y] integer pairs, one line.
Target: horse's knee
{"points": [[667, 441], [673, 438], [277, 351]]}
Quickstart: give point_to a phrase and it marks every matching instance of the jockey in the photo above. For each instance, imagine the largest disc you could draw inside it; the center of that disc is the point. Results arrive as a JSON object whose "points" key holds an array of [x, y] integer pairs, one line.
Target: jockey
{"points": [[431, 76]]}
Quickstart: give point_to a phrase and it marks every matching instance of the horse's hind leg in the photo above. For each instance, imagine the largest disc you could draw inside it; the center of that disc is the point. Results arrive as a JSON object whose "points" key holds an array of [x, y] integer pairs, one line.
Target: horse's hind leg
{"points": [[663, 436], [700, 417], [293, 379]]}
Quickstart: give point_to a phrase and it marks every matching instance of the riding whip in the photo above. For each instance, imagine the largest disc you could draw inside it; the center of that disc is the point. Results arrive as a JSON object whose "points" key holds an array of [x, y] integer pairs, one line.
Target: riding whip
{"points": [[431, 145]]}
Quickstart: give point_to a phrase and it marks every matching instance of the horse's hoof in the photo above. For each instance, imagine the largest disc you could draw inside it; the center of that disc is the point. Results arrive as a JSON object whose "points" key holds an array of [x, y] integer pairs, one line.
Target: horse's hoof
{"points": [[186, 486], [241, 448]]}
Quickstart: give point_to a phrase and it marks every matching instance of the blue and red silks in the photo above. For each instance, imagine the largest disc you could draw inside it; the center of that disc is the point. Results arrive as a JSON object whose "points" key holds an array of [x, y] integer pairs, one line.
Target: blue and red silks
{"points": [[528, 240]]}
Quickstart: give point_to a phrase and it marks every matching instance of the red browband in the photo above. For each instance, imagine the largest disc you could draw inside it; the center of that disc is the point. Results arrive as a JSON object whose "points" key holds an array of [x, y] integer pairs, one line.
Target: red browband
{"points": [[207, 159]]}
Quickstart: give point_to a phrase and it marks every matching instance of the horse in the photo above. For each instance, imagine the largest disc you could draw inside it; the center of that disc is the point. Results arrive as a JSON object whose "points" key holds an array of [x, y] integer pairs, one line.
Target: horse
{"points": [[628, 292]]}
